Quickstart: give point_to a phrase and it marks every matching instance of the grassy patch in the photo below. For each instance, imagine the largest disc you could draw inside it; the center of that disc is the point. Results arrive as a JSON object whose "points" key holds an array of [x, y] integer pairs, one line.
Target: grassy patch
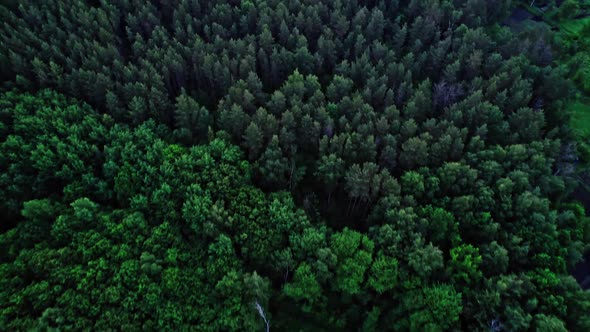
{"points": [[580, 111], [574, 26]]}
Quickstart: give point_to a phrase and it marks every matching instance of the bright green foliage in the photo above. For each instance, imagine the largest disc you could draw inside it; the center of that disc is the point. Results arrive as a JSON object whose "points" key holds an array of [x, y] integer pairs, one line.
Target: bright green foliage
{"points": [[444, 304], [464, 264], [383, 273], [434, 308], [43, 154], [581, 117], [354, 253], [76, 262], [304, 288]]}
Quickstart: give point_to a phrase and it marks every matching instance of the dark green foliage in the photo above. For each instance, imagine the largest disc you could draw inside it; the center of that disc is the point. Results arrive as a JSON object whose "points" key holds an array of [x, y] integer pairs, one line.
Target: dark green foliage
{"points": [[332, 165]]}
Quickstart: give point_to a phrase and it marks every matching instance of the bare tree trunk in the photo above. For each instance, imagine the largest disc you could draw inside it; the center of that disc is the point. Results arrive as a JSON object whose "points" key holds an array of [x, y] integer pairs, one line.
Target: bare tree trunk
{"points": [[261, 313], [356, 200], [291, 174], [366, 209], [348, 207]]}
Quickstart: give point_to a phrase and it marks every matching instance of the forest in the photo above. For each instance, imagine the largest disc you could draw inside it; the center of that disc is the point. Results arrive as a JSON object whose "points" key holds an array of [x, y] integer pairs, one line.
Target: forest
{"points": [[294, 165]]}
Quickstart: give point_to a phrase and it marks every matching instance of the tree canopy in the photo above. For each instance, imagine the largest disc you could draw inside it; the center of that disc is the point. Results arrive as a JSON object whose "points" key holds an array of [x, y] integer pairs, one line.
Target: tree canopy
{"points": [[298, 165]]}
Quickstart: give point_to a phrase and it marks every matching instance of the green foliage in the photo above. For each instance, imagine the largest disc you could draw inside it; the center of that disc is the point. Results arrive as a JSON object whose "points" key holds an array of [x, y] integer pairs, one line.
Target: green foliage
{"points": [[437, 309], [77, 261], [191, 119], [295, 165], [384, 273], [580, 117], [43, 154], [304, 288], [569, 9], [553, 324], [464, 264], [354, 253]]}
